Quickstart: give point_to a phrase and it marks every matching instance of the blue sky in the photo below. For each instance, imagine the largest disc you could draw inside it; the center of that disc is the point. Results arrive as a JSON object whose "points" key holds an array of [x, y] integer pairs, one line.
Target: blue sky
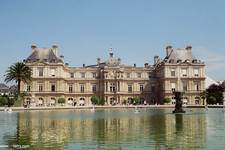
{"points": [[135, 29]]}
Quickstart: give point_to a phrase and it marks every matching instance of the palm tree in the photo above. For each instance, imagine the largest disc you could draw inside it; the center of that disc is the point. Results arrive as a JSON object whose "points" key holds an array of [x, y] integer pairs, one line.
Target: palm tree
{"points": [[18, 72]]}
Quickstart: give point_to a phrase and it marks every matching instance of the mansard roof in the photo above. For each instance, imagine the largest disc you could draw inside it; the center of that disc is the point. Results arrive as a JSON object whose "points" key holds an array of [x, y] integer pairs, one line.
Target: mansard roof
{"points": [[180, 55], [44, 55]]}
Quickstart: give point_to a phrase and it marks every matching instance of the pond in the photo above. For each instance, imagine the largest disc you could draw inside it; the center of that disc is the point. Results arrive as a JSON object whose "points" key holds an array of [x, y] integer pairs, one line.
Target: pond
{"points": [[114, 129]]}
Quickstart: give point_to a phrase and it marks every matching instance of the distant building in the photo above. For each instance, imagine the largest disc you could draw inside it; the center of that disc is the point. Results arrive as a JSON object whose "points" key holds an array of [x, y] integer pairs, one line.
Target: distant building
{"points": [[115, 82], [5, 90]]}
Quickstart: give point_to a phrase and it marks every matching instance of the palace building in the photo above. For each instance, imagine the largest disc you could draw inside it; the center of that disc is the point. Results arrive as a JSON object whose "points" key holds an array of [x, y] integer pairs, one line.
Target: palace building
{"points": [[111, 80]]}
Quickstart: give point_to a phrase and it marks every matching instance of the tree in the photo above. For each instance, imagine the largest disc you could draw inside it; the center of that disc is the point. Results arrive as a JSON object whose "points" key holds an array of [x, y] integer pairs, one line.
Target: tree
{"points": [[166, 100], [18, 72], [97, 101], [203, 96], [215, 91], [6, 100], [94, 100], [211, 100], [61, 100], [136, 100], [3, 100], [101, 101]]}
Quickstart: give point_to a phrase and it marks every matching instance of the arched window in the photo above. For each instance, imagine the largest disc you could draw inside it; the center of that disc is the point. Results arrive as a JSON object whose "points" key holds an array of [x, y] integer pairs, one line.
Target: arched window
{"points": [[70, 101], [40, 101], [82, 101]]}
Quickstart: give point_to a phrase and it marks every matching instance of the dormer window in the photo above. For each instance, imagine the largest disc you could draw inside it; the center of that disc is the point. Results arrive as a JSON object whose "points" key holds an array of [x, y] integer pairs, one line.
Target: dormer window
{"points": [[194, 61], [187, 60], [179, 61]]}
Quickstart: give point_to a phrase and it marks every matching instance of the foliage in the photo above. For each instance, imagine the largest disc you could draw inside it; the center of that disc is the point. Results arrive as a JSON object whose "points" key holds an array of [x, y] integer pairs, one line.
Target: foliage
{"points": [[215, 91], [18, 72], [137, 100], [61, 100], [94, 100], [5, 100], [166, 100], [211, 100], [97, 101], [101, 101]]}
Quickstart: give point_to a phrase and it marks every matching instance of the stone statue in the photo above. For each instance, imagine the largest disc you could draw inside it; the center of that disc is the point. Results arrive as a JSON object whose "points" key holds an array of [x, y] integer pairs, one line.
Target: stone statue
{"points": [[178, 106]]}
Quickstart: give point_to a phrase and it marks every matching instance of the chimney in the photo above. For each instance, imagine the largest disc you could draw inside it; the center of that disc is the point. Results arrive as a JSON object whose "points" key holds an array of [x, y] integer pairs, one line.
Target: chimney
{"points": [[98, 61], [33, 47], [55, 49], [168, 50], [83, 65], [156, 59], [134, 65], [119, 60], [146, 65], [62, 58], [189, 47]]}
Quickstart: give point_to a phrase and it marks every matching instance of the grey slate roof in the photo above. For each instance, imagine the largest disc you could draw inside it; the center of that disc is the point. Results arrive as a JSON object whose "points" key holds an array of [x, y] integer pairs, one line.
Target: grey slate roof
{"points": [[180, 55], [43, 55]]}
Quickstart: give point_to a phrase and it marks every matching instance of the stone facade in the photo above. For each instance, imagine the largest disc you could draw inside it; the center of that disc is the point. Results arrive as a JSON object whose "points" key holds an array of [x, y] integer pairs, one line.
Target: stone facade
{"points": [[111, 80], [180, 71]]}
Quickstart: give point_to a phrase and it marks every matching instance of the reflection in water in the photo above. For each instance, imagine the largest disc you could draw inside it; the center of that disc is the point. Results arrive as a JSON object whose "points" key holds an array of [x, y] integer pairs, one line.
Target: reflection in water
{"points": [[109, 129]]}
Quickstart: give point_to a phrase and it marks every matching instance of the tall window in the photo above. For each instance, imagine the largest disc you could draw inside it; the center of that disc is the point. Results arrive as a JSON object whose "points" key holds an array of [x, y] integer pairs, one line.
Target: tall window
{"points": [[112, 87], [172, 72], [52, 72], [82, 74], [173, 86], [53, 88], [184, 72], [40, 72], [197, 87], [149, 75], [93, 75], [70, 88], [141, 87], [40, 87], [129, 88], [196, 72], [28, 88], [118, 85], [71, 75], [81, 88], [94, 88], [184, 83], [139, 75], [128, 75]]}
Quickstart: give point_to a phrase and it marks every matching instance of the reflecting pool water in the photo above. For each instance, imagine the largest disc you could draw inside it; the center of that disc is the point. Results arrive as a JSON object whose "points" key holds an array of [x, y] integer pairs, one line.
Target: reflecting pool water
{"points": [[111, 129]]}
